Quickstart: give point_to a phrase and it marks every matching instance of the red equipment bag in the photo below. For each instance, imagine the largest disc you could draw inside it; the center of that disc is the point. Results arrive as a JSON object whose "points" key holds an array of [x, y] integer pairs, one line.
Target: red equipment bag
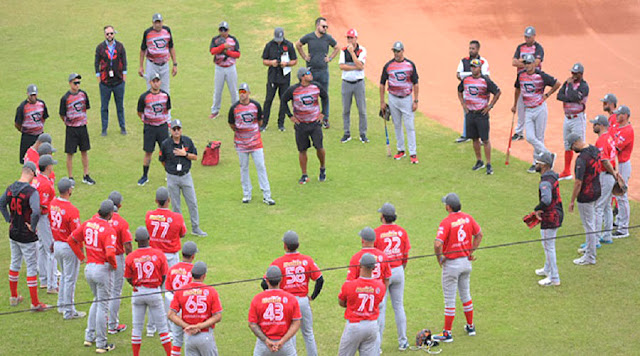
{"points": [[211, 155]]}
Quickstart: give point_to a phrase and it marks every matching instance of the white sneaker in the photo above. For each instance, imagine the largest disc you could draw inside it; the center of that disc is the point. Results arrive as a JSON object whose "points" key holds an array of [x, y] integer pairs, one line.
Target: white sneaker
{"points": [[541, 272], [582, 261], [546, 282]]}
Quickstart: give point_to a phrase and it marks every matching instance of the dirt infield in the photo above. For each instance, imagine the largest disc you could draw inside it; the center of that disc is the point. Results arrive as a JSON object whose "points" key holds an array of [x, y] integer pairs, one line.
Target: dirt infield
{"points": [[600, 34]]}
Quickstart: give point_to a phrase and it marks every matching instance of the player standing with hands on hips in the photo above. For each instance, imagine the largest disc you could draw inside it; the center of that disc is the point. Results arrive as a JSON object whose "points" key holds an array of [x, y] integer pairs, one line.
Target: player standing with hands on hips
{"points": [[225, 50], [157, 46], [403, 81], [464, 70], [459, 235], [279, 55]]}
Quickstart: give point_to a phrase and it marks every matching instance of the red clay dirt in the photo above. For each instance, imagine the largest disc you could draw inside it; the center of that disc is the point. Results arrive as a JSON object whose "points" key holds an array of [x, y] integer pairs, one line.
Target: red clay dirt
{"points": [[602, 35]]}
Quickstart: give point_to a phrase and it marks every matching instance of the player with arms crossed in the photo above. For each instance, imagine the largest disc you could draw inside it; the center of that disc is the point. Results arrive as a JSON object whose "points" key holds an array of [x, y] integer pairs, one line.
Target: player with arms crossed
{"points": [[459, 235]]}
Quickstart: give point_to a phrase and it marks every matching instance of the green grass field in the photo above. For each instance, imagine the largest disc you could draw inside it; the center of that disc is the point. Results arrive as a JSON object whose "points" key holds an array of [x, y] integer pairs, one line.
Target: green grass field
{"points": [[594, 311]]}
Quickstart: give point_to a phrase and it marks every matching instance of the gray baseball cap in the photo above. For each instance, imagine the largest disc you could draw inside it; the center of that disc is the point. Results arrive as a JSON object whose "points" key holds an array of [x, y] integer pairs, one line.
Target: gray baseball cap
{"points": [[600, 120], [156, 17], [610, 98], [189, 248], [244, 86], [387, 209], [397, 46], [622, 110], [44, 137], [302, 71], [367, 234], [45, 148], [73, 76], [162, 194], [451, 199], [577, 68], [154, 76], [31, 166], [290, 237], [199, 268], [176, 123], [115, 197], [64, 185], [224, 24], [46, 160], [142, 234], [573, 138], [368, 260], [278, 34], [106, 207], [545, 158], [529, 58], [530, 31], [32, 89], [273, 272]]}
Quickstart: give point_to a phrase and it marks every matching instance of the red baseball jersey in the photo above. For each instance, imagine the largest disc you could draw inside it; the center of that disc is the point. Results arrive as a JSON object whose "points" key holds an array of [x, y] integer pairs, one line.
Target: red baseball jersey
{"points": [[394, 242], [401, 76], [198, 303], [274, 310], [121, 226], [73, 108], [45, 190], [382, 270], [606, 145], [146, 267], [179, 276], [156, 44], [154, 107], [475, 91], [64, 217], [532, 87], [624, 142], [455, 232], [98, 236], [31, 117], [363, 296], [166, 228], [245, 118], [32, 156], [296, 270], [613, 125]]}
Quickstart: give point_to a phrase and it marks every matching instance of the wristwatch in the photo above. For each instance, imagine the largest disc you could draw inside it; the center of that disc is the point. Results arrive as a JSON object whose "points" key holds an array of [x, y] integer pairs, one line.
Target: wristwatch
{"points": [[415, 101]]}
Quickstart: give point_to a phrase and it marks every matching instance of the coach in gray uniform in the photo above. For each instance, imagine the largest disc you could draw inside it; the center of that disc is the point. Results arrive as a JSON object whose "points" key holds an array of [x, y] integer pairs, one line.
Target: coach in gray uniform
{"points": [[351, 63], [176, 154], [157, 46], [604, 213]]}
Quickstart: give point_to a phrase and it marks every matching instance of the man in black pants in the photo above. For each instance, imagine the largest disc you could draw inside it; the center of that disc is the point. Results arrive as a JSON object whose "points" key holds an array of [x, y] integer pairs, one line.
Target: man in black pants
{"points": [[30, 117], [279, 55]]}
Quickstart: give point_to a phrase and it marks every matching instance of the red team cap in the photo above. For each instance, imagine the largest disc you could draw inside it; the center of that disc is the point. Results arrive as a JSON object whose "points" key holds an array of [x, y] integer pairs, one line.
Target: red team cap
{"points": [[352, 33]]}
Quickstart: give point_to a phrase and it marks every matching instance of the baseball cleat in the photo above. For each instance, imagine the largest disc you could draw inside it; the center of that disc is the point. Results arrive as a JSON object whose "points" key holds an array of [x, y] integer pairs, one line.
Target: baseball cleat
{"points": [[517, 137], [606, 242], [470, 329], [143, 180], [123, 132], [414, 159], [547, 282], [103, 133], [246, 200], [105, 349], [444, 336], [40, 307], [269, 201], [541, 272], [14, 301], [87, 343], [489, 169], [399, 155], [323, 175], [281, 128], [532, 169], [77, 315], [88, 180], [304, 179], [565, 176], [118, 329], [363, 138], [479, 164], [213, 115], [462, 139], [198, 232], [404, 346], [52, 291], [151, 332], [619, 235], [263, 128], [346, 138], [582, 261]]}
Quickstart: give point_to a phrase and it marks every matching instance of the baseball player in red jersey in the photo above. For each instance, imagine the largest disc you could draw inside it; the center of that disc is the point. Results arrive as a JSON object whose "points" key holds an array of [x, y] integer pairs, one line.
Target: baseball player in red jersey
{"points": [[459, 235], [608, 174], [402, 76], [381, 271], [23, 215], [297, 269], [225, 50], [393, 240], [624, 138], [30, 117], [65, 219], [609, 103], [157, 46], [32, 155], [361, 298], [197, 310], [123, 245], [274, 318], [245, 119], [46, 266], [178, 277], [99, 239], [146, 270]]}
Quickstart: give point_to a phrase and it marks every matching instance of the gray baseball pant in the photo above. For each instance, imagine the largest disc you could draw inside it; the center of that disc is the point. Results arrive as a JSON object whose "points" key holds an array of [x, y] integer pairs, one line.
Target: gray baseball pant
{"points": [[222, 75], [177, 333], [535, 124], [360, 337], [46, 268], [401, 112], [117, 280], [577, 125], [172, 259], [70, 268], [520, 111], [396, 290], [306, 327], [164, 72], [456, 274], [549, 245], [142, 299], [288, 349], [349, 91], [604, 213], [588, 217], [623, 200], [27, 251], [261, 169], [184, 183], [98, 277], [201, 344]]}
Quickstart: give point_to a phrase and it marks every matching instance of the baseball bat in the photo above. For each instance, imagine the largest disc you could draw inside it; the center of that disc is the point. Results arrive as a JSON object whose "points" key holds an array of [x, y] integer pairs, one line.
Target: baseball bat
{"points": [[386, 134], [506, 162]]}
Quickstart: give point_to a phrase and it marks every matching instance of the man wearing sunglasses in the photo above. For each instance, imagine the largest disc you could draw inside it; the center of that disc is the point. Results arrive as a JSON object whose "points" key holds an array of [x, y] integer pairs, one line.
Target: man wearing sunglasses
{"points": [[318, 43], [307, 118], [111, 70], [225, 50], [176, 154], [351, 63], [73, 112], [157, 46]]}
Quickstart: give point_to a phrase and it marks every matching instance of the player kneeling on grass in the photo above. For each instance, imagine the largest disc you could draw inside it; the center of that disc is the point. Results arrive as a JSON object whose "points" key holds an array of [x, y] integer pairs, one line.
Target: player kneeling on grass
{"points": [[361, 297], [146, 269], [454, 250], [549, 212]]}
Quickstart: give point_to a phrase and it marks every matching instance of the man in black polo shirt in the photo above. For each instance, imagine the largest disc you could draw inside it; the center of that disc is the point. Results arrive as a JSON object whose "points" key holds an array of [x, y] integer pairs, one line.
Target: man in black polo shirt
{"points": [[279, 55], [176, 154]]}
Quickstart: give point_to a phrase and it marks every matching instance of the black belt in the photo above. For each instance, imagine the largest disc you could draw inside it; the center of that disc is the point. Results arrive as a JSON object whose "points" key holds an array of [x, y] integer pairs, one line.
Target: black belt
{"points": [[400, 97], [159, 64], [179, 174], [352, 82]]}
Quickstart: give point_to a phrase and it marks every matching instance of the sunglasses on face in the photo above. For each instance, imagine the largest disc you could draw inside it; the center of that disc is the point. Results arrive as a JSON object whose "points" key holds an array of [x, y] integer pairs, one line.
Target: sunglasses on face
{"points": [[76, 83], [242, 91], [349, 37], [109, 33], [397, 51], [176, 128], [307, 73], [222, 29], [325, 26]]}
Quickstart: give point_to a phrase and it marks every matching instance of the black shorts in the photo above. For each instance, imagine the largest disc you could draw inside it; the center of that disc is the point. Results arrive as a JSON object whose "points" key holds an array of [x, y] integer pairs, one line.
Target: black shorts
{"points": [[478, 125], [304, 131], [153, 134], [76, 137], [26, 141]]}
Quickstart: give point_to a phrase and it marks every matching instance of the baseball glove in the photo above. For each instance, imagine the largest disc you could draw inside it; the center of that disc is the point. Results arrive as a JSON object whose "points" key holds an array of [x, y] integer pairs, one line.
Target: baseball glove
{"points": [[424, 342], [620, 188], [385, 113], [531, 220]]}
